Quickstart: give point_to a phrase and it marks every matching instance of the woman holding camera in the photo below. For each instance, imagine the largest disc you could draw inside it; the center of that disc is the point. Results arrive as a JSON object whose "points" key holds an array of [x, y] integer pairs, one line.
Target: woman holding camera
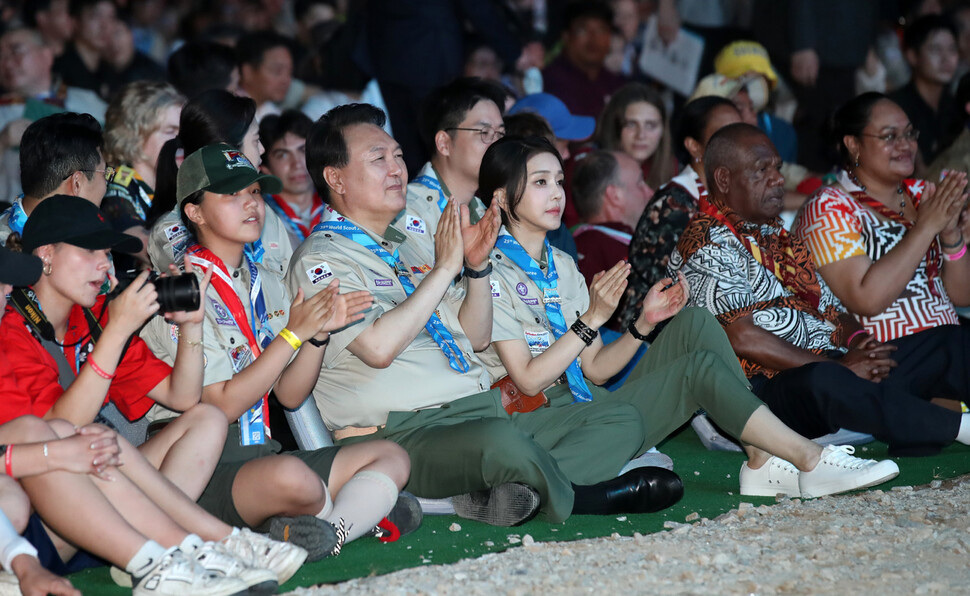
{"points": [[73, 351], [257, 340]]}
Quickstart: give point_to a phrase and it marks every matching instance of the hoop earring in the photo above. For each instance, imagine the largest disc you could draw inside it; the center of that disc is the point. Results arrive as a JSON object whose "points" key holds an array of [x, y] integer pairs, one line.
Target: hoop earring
{"points": [[47, 268]]}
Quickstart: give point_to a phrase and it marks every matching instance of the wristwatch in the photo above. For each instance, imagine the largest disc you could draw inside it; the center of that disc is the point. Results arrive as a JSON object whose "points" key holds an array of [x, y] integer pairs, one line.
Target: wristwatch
{"points": [[318, 342], [472, 274]]}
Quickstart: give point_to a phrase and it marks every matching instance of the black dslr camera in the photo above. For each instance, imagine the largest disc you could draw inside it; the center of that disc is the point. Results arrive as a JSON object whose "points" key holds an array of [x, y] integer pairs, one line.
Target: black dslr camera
{"points": [[177, 293]]}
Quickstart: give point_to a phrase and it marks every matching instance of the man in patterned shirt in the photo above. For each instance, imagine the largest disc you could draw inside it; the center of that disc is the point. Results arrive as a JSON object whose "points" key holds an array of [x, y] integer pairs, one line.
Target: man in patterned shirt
{"points": [[805, 356]]}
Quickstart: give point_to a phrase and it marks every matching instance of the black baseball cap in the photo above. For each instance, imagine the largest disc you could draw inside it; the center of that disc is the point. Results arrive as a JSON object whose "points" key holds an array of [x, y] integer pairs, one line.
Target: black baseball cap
{"points": [[18, 269], [76, 221]]}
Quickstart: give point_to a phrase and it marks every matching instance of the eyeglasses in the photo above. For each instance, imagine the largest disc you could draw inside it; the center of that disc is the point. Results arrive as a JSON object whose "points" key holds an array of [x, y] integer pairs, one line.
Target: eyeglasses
{"points": [[108, 172], [910, 136], [489, 135]]}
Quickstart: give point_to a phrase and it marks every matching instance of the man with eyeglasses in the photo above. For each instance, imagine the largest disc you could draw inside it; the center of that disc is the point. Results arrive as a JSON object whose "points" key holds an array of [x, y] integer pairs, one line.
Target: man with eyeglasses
{"points": [[461, 120], [33, 92], [806, 357], [59, 154]]}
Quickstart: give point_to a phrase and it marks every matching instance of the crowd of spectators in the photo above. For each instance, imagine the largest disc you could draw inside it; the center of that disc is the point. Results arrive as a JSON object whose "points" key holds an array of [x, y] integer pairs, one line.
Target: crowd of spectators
{"points": [[453, 212]]}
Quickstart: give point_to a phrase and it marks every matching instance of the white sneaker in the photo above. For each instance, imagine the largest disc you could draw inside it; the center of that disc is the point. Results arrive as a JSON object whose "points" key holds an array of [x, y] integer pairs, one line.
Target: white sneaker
{"points": [[651, 458], [776, 476], [710, 437], [216, 558], [844, 437], [177, 574], [838, 471], [259, 550]]}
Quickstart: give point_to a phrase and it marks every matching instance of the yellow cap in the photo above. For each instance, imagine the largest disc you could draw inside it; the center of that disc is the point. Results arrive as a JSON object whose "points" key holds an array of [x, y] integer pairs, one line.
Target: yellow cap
{"points": [[742, 57]]}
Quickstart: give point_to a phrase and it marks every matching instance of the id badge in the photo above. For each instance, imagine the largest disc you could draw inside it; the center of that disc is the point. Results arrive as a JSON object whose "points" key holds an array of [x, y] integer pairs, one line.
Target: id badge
{"points": [[252, 430]]}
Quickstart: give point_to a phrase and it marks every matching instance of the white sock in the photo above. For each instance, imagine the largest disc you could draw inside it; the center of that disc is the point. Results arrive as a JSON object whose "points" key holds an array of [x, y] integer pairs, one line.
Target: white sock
{"points": [[963, 435], [12, 544], [190, 544], [147, 557], [324, 513], [364, 501]]}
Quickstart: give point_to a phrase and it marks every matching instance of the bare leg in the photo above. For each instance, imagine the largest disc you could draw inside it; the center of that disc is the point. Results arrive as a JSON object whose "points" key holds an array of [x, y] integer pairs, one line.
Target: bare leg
{"points": [[187, 450], [764, 432], [277, 485], [385, 457], [14, 503]]}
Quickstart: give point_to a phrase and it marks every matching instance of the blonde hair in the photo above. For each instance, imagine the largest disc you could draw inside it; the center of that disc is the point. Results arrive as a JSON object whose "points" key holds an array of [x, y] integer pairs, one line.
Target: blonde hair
{"points": [[132, 116]]}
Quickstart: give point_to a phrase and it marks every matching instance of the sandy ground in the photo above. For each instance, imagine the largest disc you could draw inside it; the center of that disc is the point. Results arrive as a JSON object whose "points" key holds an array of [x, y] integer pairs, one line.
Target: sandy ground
{"points": [[902, 541]]}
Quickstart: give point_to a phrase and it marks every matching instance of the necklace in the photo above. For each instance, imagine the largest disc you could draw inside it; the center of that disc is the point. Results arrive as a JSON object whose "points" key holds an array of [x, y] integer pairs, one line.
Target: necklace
{"points": [[899, 191]]}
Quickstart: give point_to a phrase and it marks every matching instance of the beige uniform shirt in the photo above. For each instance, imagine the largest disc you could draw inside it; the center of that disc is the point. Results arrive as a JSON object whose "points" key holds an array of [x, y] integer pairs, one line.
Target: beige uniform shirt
{"points": [[350, 393], [423, 211], [225, 347], [169, 238], [517, 308]]}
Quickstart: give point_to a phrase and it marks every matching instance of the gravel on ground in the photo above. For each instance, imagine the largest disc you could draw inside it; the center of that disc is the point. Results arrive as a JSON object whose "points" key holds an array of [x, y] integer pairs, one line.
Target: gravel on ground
{"points": [[902, 541]]}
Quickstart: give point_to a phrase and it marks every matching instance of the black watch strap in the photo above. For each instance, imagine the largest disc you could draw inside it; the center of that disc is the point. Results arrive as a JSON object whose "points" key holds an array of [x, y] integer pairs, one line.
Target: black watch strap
{"points": [[318, 342], [632, 328], [472, 274]]}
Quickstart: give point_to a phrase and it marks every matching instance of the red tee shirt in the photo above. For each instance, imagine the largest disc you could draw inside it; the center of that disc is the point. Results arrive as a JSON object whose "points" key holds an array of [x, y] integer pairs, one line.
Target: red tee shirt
{"points": [[26, 363]]}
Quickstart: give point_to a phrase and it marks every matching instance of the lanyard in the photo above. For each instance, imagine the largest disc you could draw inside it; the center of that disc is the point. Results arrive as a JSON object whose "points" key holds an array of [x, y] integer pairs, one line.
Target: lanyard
{"points": [[434, 326], [251, 321], [548, 283], [294, 221]]}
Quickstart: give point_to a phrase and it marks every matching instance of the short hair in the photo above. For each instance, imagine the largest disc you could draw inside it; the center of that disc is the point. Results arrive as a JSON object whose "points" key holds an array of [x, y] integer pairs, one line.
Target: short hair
{"points": [[505, 165], [593, 174], [693, 120], [55, 147], [580, 9], [274, 127], [76, 7], [528, 124], [448, 105], [722, 148], [252, 47], [609, 127], [920, 30], [851, 119], [199, 66], [132, 116], [326, 145]]}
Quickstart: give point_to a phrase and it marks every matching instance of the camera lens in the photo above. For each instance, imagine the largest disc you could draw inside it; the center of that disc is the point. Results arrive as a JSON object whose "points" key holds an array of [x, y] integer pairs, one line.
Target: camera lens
{"points": [[178, 293]]}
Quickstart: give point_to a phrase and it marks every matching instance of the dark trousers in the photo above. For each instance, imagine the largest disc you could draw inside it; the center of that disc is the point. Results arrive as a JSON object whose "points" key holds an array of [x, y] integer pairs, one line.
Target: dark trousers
{"points": [[819, 398]]}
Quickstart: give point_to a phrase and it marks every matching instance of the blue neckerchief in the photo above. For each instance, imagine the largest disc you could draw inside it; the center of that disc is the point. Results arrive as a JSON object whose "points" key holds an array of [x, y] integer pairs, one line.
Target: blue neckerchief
{"points": [[434, 185], [254, 251], [434, 326], [547, 283], [17, 216], [257, 304]]}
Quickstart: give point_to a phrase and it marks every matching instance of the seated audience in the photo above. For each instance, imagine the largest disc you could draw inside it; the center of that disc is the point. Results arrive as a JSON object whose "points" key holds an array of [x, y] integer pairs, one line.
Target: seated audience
{"points": [[60, 154], [252, 346], [807, 358], [198, 66], [265, 70], [57, 462], [298, 205], [889, 246], [578, 75], [668, 212], [214, 116], [610, 195], [931, 49], [52, 19], [141, 118], [82, 63], [32, 93]]}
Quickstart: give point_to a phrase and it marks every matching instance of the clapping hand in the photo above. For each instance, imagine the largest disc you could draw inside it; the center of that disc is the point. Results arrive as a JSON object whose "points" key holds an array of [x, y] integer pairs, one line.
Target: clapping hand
{"points": [[660, 304], [479, 239], [605, 293]]}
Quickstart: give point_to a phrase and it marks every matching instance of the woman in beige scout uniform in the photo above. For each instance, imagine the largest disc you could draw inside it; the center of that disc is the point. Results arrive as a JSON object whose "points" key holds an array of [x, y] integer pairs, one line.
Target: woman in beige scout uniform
{"points": [[545, 336], [252, 346]]}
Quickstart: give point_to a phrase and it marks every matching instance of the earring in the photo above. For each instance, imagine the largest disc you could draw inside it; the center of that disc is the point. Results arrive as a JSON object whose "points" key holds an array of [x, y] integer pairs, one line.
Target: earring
{"points": [[47, 268], [856, 164]]}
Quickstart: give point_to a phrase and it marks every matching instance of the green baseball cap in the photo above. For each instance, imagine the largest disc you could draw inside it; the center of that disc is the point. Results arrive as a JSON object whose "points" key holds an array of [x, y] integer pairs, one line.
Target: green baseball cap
{"points": [[221, 169]]}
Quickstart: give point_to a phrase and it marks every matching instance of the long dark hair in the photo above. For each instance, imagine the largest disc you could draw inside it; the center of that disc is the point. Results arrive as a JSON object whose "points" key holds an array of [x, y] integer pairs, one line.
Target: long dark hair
{"points": [[505, 166], [214, 116]]}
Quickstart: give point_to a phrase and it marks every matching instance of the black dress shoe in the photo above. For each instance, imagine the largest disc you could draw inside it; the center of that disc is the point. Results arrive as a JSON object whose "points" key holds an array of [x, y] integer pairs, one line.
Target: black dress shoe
{"points": [[642, 490]]}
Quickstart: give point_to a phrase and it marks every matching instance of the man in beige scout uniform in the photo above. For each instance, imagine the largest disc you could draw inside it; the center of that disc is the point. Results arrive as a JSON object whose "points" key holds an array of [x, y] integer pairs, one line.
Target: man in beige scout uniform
{"points": [[408, 371]]}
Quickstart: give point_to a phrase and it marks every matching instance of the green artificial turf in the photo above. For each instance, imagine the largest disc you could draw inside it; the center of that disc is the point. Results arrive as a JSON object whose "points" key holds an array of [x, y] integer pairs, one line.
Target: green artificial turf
{"points": [[711, 488]]}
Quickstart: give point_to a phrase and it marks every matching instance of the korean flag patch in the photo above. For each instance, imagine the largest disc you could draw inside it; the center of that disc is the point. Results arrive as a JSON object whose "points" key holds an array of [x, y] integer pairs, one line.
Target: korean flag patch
{"points": [[416, 224], [496, 289], [176, 231], [319, 273]]}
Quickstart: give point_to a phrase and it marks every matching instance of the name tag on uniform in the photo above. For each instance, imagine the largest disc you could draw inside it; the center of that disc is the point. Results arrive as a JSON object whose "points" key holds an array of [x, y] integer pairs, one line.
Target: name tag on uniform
{"points": [[538, 341], [383, 283]]}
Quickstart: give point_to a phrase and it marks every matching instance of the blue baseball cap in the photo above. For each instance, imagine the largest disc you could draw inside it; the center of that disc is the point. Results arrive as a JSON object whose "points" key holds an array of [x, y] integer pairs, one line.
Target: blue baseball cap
{"points": [[564, 124]]}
